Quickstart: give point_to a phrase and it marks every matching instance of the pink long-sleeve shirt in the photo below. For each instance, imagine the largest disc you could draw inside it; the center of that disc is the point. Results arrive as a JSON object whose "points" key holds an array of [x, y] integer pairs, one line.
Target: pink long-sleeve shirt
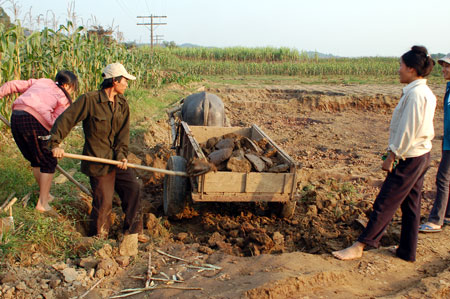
{"points": [[42, 98]]}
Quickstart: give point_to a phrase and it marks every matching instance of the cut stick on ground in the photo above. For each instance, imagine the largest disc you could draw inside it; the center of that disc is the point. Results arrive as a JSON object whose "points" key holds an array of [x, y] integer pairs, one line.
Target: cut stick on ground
{"points": [[7, 200], [149, 270], [131, 292], [158, 279], [25, 199], [199, 266], [9, 205], [93, 287]]}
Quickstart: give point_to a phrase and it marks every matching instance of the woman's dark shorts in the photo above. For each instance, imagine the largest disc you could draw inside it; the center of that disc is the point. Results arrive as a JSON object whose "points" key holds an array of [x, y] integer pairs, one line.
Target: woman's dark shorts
{"points": [[26, 131]]}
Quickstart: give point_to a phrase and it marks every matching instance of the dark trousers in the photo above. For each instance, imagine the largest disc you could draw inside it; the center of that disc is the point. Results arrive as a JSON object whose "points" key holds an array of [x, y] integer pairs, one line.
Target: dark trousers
{"points": [[26, 131], [402, 187], [441, 208], [124, 182]]}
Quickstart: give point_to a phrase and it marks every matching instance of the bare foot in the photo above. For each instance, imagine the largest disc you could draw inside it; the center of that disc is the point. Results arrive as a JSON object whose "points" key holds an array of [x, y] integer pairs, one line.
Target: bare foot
{"points": [[353, 252], [43, 207]]}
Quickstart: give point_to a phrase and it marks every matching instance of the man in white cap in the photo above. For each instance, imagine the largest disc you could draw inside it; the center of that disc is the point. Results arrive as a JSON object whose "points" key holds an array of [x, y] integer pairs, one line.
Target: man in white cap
{"points": [[106, 124], [440, 213]]}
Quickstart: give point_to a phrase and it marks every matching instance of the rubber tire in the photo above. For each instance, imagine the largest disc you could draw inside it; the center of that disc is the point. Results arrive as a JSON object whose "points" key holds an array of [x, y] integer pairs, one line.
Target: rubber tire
{"points": [[175, 187]]}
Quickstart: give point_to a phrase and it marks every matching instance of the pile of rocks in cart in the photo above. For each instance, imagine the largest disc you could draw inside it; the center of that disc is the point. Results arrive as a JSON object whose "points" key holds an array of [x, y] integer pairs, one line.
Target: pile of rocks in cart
{"points": [[233, 152]]}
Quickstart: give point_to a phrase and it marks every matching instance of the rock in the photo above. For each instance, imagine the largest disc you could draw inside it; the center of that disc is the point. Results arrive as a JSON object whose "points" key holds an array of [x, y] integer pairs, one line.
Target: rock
{"points": [[278, 238], [89, 263], [239, 242], [205, 249], [233, 136], [219, 156], [70, 274], [254, 250], [107, 266], [21, 286], [262, 238], [234, 233], [8, 277], [132, 158], [228, 224], [216, 237], [153, 177], [270, 151], [59, 266], [105, 252], [247, 227], [268, 161], [152, 222], [49, 294], [225, 143], [312, 210], [279, 168], [123, 261], [239, 164], [9, 293], [100, 273], [54, 283], [247, 143], [129, 245], [211, 142], [225, 247], [182, 236], [256, 161]]}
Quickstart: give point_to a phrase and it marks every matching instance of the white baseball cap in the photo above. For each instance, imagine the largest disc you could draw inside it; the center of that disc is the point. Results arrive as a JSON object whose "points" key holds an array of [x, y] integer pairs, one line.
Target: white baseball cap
{"points": [[446, 58], [115, 70]]}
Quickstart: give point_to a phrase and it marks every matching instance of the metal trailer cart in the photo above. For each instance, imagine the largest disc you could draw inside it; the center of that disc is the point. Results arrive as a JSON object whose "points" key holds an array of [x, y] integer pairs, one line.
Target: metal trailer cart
{"points": [[226, 186]]}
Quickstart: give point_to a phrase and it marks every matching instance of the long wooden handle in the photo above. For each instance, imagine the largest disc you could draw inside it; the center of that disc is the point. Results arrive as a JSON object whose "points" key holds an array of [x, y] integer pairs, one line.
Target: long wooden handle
{"points": [[131, 165]]}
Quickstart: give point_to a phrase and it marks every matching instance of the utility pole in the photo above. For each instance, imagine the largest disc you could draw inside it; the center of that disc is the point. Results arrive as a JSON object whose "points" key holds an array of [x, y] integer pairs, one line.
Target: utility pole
{"points": [[151, 24], [158, 38]]}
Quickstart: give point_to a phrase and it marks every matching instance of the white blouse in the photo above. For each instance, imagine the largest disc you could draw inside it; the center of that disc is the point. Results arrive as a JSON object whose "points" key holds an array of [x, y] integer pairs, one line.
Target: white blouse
{"points": [[411, 129]]}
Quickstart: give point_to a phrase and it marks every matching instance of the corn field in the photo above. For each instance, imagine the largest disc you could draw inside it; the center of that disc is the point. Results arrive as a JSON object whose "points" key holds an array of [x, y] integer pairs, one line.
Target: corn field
{"points": [[41, 54]]}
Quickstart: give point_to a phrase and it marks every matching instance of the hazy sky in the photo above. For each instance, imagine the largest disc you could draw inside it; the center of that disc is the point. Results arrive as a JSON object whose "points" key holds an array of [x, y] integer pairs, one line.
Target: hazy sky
{"points": [[344, 28]]}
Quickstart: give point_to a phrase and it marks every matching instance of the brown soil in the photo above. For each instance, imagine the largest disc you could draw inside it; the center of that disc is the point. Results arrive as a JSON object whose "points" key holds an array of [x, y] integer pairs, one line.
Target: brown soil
{"points": [[337, 134]]}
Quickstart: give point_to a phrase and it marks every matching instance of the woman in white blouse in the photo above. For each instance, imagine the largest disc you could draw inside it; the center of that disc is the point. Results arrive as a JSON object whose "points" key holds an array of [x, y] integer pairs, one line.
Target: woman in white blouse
{"points": [[410, 134]]}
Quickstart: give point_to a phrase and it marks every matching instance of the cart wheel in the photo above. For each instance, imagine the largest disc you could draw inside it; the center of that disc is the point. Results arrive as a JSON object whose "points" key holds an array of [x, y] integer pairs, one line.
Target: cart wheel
{"points": [[175, 187], [283, 209]]}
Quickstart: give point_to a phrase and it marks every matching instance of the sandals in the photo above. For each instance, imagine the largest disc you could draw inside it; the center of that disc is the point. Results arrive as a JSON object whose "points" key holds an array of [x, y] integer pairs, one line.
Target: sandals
{"points": [[425, 228]]}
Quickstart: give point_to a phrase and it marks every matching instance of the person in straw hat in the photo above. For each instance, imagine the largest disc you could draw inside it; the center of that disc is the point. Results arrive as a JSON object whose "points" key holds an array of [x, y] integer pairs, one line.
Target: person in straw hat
{"points": [[440, 213], [106, 124]]}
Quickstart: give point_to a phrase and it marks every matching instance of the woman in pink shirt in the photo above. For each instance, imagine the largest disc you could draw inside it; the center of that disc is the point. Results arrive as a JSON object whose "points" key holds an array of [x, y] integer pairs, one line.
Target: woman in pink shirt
{"points": [[34, 112]]}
